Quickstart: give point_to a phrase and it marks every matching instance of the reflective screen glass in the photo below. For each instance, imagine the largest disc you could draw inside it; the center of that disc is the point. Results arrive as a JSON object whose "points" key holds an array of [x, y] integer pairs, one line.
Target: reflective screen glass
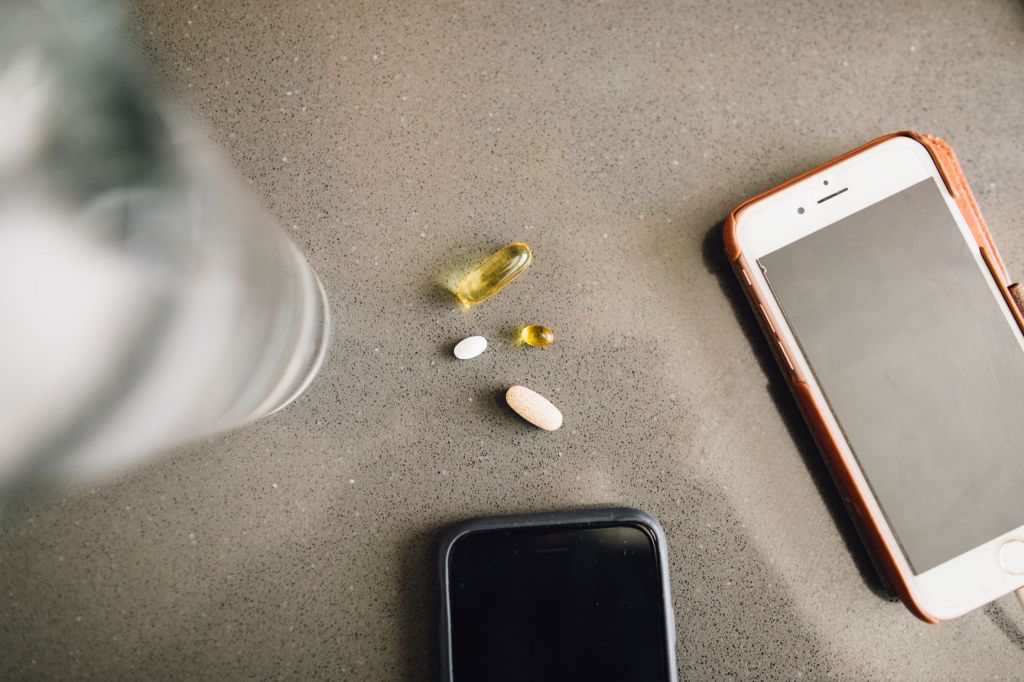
{"points": [[557, 604], [920, 365]]}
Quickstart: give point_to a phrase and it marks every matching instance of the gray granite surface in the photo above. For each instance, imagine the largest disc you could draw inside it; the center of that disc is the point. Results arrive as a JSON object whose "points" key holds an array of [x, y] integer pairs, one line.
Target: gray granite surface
{"points": [[398, 142]]}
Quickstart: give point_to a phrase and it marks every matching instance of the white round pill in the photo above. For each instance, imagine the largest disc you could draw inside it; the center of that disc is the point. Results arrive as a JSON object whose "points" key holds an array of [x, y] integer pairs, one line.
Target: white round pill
{"points": [[470, 348]]}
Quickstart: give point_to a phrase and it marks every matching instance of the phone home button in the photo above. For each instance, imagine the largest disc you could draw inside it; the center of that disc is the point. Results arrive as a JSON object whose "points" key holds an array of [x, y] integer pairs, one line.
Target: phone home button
{"points": [[1011, 557]]}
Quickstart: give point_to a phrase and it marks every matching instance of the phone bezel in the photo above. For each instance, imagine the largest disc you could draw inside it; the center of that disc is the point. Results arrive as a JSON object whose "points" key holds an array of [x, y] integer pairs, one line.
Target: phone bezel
{"points": [[975, 577], [567, 519]]}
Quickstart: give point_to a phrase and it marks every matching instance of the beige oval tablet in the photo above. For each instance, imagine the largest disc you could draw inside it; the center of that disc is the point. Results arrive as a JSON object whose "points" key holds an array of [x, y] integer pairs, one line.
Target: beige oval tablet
{"points": [[534, 408]]}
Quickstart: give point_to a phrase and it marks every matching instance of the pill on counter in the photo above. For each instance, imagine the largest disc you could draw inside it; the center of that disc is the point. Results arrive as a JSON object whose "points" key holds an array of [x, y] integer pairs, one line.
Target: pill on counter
{"points": [[536, 335], [470, 348], [534, 408], [493, 273]]}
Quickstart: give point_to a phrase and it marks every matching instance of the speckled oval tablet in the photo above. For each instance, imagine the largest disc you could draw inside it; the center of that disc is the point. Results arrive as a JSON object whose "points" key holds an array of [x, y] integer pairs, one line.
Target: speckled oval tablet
{"points": [[534, 408], [470, 348]]}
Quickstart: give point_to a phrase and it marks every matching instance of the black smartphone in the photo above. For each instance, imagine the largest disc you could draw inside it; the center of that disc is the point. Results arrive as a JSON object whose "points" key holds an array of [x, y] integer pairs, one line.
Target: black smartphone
{"points": [[560, 596]]}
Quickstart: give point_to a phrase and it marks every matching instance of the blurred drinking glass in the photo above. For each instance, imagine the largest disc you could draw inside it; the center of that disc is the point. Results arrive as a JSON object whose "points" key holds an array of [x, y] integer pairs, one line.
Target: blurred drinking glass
{"points": [[145, 298]]}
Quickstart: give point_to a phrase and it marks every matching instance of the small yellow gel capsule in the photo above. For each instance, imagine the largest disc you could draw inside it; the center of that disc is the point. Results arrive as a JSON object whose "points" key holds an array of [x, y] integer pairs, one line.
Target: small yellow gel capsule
{"points": [[493, 273], [537, 335]]}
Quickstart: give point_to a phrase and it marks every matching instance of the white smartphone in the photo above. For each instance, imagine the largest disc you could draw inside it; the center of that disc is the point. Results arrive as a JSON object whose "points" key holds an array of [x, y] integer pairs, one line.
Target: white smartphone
{"points": [[901, 344]]}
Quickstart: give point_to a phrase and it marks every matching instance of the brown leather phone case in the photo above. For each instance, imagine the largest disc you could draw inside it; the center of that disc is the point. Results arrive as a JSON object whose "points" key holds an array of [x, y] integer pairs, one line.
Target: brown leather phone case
{"points": [[814, 412]]}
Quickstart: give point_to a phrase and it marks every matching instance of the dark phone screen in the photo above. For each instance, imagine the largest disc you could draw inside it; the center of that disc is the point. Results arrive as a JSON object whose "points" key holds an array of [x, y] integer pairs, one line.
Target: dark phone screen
{"points": [[557, 603], [920, 365]]}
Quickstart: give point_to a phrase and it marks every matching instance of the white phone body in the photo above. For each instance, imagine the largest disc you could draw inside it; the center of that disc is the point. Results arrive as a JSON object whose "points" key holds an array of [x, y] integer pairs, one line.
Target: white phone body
{"points": [[989, 570]]}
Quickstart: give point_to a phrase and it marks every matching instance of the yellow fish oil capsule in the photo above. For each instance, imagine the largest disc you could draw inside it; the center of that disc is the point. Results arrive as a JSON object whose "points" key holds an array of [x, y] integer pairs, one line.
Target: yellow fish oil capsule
{"points": [[536, 335], [493, 273]]}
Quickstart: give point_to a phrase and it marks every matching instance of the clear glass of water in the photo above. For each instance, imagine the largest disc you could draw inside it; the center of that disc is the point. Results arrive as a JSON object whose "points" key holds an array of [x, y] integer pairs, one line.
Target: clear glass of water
{"points": [[145, 297]]}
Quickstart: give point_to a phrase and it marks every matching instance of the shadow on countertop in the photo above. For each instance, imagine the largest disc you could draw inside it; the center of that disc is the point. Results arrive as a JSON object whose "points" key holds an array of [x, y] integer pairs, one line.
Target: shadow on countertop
{"points": [[996, 613], [421, 603]]}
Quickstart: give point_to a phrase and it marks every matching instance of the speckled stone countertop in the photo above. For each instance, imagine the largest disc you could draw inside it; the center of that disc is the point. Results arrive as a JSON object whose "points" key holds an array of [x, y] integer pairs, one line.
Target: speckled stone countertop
{"points": [[398, 143]]}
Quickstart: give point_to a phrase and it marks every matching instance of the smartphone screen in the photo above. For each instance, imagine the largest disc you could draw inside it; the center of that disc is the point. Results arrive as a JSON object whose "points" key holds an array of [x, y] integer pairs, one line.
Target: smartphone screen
{"points": [[920, 363], [557, 603]]}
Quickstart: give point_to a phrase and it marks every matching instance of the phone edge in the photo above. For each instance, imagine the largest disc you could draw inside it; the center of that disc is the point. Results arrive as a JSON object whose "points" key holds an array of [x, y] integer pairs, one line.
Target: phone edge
{"points": [[597, 515], [956, 184]]}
